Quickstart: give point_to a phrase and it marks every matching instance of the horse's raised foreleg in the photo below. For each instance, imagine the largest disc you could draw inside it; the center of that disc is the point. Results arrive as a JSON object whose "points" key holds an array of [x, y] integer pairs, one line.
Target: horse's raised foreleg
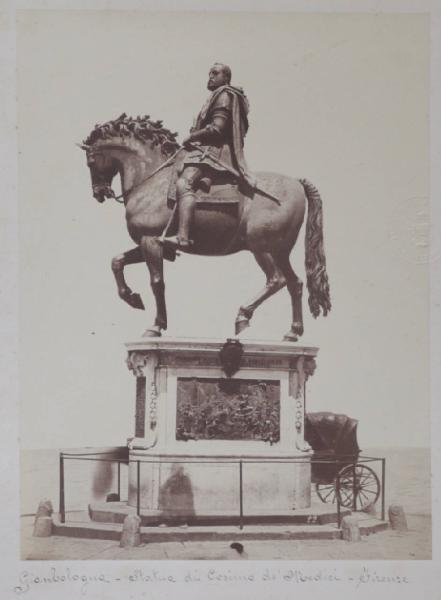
{"points": [[130, 257], [295, 289], [152, 253], [275, 281]]}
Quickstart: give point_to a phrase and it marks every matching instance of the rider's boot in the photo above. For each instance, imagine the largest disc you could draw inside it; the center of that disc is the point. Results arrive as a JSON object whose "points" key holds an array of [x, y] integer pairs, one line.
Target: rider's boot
{"points": [[186, 208]]}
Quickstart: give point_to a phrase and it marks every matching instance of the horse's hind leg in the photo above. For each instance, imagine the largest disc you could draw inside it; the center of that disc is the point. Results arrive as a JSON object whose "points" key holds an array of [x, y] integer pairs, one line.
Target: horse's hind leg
{"points": [[275, 280], [295, 289], [130, 257], [152, 252]]}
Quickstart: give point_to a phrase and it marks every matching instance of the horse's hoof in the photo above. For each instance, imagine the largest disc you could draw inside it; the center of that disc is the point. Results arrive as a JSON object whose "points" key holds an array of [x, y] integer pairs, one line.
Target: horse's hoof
{"points": [[241, 325], [135, 301], [152, 333]]}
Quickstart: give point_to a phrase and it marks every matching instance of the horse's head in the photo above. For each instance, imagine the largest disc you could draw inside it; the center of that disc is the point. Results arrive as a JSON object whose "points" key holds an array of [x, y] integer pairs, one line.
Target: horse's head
{"points": [[148, 138], [109, 147], [103, 168]]}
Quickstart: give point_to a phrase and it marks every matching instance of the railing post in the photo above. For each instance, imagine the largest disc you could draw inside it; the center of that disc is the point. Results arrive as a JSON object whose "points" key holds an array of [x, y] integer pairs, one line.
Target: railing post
{"points": [[337, 495], [62, 501], [138, 491], [354, 489], [383, 485], [119, 480], [240, 495]]}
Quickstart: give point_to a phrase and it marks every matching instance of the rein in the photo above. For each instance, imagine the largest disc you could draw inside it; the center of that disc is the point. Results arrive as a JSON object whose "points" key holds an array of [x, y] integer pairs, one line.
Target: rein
{"points": [[164, 233], [162, 166]]}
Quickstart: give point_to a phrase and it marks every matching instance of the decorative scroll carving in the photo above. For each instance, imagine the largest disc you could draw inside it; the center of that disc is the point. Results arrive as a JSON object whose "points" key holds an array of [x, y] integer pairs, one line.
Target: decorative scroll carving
{"points": [[309, 366], [153, 412], [304, 367], [299, 415], [144, 365], [145, 439], [136, 362], [299, 380], [228, 409]]}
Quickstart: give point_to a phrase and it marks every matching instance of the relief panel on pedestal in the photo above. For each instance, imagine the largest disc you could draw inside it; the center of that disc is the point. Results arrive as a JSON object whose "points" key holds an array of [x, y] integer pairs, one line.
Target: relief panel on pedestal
{"points": [[227, 409]]}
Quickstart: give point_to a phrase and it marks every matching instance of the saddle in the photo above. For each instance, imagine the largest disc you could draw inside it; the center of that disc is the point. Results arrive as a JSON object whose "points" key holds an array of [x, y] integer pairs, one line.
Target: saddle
{"points": [[222, 191], [220, 194], [227, 193]]}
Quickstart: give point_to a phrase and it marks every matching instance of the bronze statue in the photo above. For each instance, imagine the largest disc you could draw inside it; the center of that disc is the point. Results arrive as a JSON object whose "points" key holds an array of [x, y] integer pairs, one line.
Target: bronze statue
{"points": [[214, 148], [263, 216]]}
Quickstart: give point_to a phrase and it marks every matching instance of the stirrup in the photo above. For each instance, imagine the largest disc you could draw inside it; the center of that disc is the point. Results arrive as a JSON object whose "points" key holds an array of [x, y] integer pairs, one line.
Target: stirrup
{"points": [[176, 243]]}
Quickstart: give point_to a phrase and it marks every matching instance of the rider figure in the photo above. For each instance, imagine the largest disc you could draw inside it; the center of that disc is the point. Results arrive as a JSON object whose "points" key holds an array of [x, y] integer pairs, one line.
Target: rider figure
{"points": [[218, 133]]}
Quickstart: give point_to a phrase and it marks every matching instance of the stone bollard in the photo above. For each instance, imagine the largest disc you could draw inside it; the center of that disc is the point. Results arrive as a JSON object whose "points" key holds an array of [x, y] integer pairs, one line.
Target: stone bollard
{"points": [[42, 527], [350, 529], [44, 509], [131, 533], [397, 517], [43, 519]]}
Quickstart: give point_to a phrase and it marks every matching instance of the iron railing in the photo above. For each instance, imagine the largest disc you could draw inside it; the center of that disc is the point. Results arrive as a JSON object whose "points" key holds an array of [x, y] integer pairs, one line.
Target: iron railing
{"points": [[337, 463], [85, 456]]}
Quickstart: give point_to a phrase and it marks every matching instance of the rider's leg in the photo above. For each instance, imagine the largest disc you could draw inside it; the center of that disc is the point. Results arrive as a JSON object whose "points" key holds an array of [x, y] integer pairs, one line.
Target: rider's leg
{"points": [[186, 198], [186, 207]]}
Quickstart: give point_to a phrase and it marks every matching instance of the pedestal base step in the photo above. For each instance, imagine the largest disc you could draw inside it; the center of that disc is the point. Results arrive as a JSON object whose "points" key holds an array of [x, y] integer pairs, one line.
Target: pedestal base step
{"points": [[112, 531], [115, 512]]}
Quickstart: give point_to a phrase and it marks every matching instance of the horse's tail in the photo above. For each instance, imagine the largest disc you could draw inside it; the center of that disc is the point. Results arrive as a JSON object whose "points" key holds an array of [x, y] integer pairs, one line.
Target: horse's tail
{"points": [[315, 260]]}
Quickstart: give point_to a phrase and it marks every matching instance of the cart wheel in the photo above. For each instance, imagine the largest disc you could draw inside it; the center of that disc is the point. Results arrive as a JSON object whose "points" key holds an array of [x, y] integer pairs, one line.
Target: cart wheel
{"points": [[365, 488], [326, 492]]}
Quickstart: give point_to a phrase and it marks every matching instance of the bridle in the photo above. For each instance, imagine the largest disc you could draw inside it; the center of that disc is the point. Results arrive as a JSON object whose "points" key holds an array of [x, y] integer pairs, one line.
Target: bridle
{"points": [[121, 199]]}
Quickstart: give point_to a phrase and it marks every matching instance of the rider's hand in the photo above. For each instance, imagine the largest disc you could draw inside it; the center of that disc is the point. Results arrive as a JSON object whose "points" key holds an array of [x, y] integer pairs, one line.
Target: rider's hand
{"points": [[187, 142]]}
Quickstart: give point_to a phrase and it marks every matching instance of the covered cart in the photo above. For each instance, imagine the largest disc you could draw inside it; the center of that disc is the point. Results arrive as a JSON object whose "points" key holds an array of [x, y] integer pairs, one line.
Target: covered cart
{"points": [[338, 471]]}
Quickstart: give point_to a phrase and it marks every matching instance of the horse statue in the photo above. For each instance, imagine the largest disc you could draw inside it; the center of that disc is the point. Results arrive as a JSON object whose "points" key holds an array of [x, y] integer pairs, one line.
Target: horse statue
{"points": [[143, 153]]}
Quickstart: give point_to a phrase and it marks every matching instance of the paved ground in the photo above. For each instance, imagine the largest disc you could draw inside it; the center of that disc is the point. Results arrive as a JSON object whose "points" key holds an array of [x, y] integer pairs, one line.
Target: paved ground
{"points": [[389, 545], [408, 483]]}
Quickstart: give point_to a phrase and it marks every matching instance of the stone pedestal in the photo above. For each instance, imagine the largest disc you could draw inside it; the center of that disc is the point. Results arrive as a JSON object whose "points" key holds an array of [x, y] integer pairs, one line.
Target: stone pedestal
{"points": [[201, 435]]}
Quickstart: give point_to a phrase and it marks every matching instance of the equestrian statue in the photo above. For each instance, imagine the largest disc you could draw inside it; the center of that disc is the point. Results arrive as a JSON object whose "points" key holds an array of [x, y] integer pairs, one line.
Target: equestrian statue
{"points": [[200, 198]]}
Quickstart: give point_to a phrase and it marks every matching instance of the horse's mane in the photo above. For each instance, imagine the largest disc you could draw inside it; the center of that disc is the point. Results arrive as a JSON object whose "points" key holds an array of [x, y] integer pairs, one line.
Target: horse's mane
{"points": [[142, 128]]}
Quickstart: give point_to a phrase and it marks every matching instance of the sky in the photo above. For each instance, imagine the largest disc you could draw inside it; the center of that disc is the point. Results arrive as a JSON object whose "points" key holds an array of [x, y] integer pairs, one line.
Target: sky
{"points": [[339, 99]]}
